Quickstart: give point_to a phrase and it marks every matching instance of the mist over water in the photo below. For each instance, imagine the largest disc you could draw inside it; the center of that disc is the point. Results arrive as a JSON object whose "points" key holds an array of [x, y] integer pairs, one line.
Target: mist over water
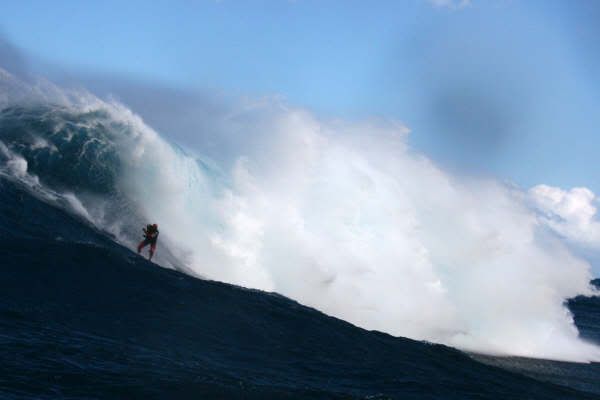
{"points": [[341, 216]]}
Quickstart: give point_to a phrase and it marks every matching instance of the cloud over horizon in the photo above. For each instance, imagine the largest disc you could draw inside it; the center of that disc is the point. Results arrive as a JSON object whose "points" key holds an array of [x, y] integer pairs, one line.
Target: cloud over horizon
{"points": [[572, 213]]}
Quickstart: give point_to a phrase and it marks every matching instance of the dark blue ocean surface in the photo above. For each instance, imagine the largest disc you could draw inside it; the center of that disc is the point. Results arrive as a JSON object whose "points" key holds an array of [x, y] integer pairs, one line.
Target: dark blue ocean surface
{"points": [[82, 317]]}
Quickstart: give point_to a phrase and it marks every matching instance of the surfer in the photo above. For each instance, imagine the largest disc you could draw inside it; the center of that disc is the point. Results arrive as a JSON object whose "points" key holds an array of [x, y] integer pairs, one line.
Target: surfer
{"points": [[150, 238]]}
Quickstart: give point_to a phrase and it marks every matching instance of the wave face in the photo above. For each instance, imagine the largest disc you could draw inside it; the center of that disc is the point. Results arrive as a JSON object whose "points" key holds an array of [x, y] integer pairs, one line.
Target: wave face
{"points": [[343, 217], [82, 317]]}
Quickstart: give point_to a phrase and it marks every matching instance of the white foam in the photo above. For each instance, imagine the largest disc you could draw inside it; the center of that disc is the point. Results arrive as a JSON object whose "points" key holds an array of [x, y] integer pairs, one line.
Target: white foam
{"points": [[346, 219], [77, 206]]}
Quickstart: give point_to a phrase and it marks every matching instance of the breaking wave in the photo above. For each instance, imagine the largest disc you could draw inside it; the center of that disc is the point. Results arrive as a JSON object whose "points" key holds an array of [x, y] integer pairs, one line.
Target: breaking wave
{"points": [[343, 217]]}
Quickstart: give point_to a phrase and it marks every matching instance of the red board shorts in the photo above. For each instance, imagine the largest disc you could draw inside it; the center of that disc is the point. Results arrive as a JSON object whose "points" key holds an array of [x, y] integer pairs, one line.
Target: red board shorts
{"points": [[148, 241]]}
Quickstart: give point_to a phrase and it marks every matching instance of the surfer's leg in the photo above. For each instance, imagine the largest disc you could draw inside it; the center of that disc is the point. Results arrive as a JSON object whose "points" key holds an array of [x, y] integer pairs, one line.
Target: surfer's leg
{"points": [[152, 249], [141, 246]]}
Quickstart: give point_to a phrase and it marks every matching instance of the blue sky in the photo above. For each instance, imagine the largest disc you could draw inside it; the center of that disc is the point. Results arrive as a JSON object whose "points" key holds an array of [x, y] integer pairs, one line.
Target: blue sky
{"points": [[506, 87]]}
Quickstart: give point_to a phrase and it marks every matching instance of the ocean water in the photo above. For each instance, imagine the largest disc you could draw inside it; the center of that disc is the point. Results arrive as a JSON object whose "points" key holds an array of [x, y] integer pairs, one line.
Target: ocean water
{"points": [[324, 270], [83, 317]]}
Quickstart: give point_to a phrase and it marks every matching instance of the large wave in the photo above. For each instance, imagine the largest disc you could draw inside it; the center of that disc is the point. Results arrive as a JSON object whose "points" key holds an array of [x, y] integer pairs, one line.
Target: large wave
{"points": [[344, 217]]}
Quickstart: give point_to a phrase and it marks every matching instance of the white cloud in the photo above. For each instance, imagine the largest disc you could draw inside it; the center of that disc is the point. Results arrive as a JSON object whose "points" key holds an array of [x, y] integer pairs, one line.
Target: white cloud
{"points": [[454, 4], [571, 214]]}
